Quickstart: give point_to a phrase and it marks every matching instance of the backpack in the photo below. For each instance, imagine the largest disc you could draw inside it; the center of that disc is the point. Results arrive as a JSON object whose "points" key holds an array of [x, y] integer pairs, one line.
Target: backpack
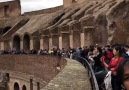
{"points": [[125, 55]]}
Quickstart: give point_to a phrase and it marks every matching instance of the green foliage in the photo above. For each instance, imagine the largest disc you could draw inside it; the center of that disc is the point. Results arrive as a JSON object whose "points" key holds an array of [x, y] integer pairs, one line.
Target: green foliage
{"points": [[2, 86]]}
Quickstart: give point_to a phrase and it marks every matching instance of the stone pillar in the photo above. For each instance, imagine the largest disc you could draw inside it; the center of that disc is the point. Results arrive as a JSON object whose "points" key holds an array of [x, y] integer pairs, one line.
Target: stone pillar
{"points": [[82, 39], [31, 44], [71, 40], [2, 45], [11, 45], [50, 43], [21, 44], [41, 43], [60, 42]]}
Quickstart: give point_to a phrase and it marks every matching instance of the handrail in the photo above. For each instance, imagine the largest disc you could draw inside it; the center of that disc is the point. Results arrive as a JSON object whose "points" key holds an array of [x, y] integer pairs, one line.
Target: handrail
{"points": [[90, 72]]}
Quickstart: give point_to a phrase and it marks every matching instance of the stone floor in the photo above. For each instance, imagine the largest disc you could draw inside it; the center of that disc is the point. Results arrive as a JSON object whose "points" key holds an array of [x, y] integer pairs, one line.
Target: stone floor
{"points": [[73, 77]]}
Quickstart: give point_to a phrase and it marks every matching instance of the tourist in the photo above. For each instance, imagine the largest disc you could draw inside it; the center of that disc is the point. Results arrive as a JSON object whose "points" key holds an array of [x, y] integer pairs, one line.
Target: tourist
{"points": [[126, 47], [123, 74], [84, 52], [113, 66], [97, 58]]}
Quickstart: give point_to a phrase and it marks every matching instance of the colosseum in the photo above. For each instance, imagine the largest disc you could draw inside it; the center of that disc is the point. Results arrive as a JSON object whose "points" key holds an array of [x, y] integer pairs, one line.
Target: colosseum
{"points": [[76, 23]]}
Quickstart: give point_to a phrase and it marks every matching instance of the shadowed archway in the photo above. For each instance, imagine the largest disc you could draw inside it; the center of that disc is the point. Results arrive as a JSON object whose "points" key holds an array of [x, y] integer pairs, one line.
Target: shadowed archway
{"points": [[16, 42], [16, 86], [26, 42], [24, 87]]}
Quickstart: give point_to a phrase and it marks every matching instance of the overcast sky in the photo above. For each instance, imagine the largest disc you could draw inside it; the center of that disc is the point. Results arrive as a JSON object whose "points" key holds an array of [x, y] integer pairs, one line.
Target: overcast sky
{"points": [[32, 5]]}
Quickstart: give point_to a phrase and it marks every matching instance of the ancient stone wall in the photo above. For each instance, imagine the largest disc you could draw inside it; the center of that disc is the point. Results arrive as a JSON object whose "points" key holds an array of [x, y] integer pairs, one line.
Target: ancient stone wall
{"points": [[10, 9], [44, 11], [68, 3], [43, 67]]}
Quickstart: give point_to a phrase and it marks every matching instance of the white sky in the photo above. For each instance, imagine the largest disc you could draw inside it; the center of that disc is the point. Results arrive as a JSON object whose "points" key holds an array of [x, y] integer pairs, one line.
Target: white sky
{"points": [[32, 5]]}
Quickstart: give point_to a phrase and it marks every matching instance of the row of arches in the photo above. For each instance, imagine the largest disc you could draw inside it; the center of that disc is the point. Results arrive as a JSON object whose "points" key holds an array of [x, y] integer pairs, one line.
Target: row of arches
{"points": [[65, 40], [16, 87], [26, 42]]}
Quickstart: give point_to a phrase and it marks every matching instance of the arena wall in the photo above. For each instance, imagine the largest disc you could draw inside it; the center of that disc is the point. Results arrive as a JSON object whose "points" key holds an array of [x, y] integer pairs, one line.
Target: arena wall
{"points": [[30, 69], [68, 3]]}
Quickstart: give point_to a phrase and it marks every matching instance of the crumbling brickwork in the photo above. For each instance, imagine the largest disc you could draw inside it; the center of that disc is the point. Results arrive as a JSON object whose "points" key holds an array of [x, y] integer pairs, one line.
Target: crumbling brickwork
{"points": [[10, 9]]}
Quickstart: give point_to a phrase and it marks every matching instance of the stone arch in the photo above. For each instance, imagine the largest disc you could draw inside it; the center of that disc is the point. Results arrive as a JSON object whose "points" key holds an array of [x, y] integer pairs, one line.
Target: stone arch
{"points": [[26, 42], [24, 87], [16, 86], [16, 42], [74, 1]]}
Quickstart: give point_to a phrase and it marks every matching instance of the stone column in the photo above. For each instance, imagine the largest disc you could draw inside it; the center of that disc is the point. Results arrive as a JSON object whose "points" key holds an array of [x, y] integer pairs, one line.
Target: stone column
{"points": [[2, 45], [71, 40], [11, 45], [41, 43], [60, 42], [82, 39], [31, 44], [50, 43], [21, 44]]}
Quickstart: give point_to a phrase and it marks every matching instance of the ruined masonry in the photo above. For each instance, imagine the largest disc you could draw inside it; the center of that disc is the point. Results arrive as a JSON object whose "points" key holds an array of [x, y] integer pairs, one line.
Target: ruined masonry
{"points": [[76, 23]]}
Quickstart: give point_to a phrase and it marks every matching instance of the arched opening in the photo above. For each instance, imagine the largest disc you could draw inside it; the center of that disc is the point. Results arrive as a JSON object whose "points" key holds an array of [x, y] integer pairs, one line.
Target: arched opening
{"points": [[16, 86], [26, 42], [24, 87], [65, 40], [6, 10], [76, 39], [74, 0], [16, 43]]}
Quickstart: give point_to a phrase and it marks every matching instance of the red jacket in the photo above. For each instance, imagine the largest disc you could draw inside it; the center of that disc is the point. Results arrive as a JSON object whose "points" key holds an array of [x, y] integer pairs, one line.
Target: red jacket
{"points": [[114, 64]]}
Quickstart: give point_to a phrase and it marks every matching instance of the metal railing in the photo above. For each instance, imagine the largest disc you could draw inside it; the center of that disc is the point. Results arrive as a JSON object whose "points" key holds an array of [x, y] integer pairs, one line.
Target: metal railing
{"points": [[91, 73]]}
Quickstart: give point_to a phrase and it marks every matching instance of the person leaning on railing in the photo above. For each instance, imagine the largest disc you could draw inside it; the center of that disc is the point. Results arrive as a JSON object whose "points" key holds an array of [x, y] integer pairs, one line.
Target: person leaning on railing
{"points": [[113, 67]]}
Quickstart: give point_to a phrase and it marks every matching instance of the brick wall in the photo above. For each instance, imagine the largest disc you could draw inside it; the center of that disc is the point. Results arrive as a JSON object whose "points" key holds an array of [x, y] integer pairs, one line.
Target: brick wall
{"points": [[10, 9], [44, 67]]}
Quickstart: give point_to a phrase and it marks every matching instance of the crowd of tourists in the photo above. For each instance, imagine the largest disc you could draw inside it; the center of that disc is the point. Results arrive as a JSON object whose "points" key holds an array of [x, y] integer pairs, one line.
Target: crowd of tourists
{"points": [[113, 59], [110, 65]]}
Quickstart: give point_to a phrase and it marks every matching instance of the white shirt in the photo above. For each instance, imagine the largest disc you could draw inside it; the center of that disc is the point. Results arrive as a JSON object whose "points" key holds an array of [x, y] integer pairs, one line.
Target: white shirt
{"points": [[127, 52]]}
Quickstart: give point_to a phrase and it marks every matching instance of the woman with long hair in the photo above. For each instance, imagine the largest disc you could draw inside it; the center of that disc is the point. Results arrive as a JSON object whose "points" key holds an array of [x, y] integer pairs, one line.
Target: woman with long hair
{"points": [[113, 67]]}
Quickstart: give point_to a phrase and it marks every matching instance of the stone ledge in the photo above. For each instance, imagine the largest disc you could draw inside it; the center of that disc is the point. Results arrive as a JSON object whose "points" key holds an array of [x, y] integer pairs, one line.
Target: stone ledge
{"points": [[73, 77]]}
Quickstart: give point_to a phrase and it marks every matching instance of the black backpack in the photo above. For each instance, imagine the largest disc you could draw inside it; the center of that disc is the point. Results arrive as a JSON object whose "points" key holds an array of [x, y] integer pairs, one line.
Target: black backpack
{"points": [[125, 55]]}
